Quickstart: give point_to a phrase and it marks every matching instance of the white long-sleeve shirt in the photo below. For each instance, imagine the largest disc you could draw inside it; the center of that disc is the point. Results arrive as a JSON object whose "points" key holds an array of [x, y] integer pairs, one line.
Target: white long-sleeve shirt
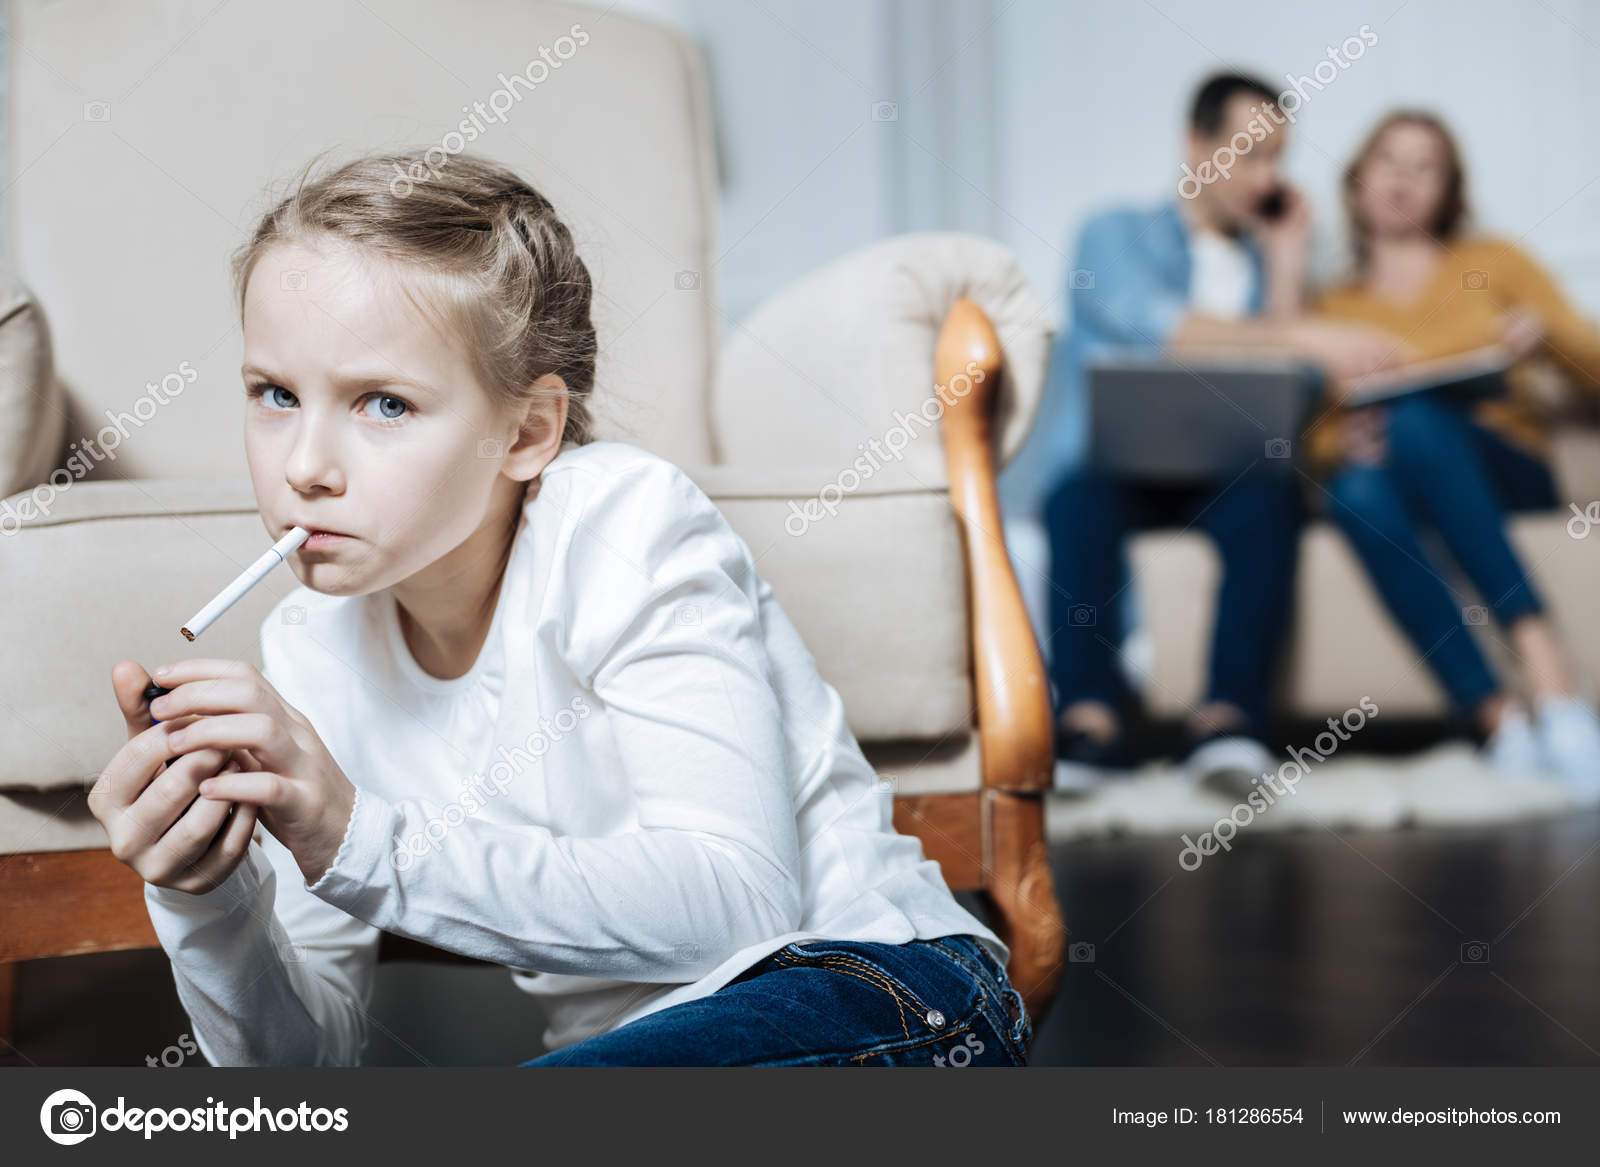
{"points": [[642, 787]]}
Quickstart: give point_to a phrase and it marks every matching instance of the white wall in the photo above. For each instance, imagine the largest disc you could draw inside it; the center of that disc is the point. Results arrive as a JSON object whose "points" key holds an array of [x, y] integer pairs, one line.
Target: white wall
{"points": [[1016, 119], [1092, 103], [813, 163]]}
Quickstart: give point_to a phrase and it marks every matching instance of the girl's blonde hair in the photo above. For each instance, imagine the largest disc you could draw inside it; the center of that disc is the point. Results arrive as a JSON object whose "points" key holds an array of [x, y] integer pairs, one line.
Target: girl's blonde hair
{"points": [[502, 264]]}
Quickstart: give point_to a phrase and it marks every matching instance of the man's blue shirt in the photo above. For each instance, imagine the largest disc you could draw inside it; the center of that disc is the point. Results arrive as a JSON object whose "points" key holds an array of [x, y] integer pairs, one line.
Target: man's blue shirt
{"points": [[1128, 288]]}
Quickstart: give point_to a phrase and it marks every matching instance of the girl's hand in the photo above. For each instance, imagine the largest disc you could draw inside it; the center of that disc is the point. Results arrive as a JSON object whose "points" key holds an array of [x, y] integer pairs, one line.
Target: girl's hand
{"points": [[301, 794], [153, 819]]}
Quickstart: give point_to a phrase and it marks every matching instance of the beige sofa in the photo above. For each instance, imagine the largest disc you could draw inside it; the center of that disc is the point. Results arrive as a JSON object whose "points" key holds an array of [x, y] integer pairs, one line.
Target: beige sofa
{"points": [[1342, 644], [142, 149]]}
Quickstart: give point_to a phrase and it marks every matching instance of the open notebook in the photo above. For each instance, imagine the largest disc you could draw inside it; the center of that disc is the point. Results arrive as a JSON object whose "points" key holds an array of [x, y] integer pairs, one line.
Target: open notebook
{"points": [[1479, 372]]}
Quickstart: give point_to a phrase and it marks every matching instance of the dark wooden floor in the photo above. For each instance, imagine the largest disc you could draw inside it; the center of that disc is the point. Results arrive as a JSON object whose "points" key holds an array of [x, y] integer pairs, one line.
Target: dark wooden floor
{"points": [[1476, 947], [1293, 949]]}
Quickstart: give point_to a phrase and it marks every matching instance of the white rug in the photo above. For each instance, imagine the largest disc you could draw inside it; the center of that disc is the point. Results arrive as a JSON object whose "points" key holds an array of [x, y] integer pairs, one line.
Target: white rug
{"points": [[1447, 786]]}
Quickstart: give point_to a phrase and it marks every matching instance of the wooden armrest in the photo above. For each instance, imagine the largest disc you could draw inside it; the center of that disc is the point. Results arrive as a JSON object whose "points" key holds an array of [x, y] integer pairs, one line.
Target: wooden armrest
{"points": [[1015, 723]]}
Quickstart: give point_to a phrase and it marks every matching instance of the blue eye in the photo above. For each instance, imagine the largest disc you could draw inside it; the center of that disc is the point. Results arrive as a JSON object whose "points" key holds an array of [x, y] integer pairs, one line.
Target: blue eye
{"points": [[386, 403], [266, 390]]}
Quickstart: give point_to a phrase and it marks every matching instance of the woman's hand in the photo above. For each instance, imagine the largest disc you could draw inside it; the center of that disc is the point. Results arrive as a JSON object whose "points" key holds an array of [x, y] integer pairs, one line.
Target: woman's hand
{"points": [[1348, 350], [1521, 331], [301, 794], [1365, 435], [155, 822]]}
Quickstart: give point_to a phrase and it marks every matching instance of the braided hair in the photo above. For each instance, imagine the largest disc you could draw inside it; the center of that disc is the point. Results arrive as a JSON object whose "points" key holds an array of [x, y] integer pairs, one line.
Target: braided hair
{"points": [[495, 263]]}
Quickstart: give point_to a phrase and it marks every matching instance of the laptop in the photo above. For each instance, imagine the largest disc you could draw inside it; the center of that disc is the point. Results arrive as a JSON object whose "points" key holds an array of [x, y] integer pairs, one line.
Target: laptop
{"points": [[1158, 418]]}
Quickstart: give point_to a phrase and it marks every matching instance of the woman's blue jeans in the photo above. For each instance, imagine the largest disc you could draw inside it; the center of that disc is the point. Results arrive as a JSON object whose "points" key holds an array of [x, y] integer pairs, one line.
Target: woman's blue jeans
{"points": [[942, 1002], [1444, 470]]}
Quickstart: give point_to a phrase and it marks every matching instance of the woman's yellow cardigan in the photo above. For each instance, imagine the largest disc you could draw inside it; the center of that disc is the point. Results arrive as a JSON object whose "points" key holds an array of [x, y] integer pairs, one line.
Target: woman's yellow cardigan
{"points": [[1478, 280]]}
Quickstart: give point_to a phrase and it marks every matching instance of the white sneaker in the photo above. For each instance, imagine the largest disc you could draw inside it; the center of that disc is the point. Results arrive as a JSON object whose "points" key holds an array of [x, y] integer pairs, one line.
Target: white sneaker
{"points": [[1569, 733], [1230, 766], [1514, 749]]}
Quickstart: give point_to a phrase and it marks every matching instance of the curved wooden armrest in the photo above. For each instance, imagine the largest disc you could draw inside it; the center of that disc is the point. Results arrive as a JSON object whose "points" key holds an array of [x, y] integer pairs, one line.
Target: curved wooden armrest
{"points": [[1015, 723]]}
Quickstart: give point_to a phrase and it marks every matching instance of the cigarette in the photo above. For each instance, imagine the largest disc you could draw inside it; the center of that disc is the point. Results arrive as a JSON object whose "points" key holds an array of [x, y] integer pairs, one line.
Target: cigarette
{"points": [[248, 579]]}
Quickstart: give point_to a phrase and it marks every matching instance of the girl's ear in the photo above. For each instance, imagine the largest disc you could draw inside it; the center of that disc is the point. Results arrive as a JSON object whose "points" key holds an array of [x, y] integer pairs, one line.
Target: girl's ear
{"points": [[538, 440]]}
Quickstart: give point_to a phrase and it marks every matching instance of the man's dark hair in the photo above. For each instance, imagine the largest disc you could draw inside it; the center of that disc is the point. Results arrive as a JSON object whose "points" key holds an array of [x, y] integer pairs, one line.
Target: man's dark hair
{"points": [[1211, 99]]}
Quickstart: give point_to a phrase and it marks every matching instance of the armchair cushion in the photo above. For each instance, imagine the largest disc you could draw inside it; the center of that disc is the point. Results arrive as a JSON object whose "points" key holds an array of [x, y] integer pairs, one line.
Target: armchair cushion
{"points": [[33, 411], [838, 358], [876, 589]]}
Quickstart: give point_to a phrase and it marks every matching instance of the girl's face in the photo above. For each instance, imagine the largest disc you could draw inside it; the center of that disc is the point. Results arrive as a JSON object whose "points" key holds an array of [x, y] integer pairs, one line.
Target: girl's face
{"points": [[1402, 181], [364, 420]]}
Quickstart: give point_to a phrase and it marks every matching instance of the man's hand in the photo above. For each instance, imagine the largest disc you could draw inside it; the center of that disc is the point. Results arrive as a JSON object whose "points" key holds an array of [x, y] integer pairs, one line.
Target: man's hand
{"points": [[1347, 351], [301, 794], [1285, 236], [154, 820]]}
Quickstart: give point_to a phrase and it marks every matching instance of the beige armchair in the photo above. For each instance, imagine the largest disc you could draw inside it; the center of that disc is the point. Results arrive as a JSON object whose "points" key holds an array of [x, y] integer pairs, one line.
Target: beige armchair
{"points": [[138, 160]]}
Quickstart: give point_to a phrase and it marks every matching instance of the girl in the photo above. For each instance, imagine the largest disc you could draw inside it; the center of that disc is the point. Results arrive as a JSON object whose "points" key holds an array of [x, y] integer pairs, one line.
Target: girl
{"points": [[1419, 275], [533, 703]]}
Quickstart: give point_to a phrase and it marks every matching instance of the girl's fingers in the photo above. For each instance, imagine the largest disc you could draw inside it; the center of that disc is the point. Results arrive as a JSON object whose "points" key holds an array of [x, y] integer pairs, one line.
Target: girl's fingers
{"points": [[212, 695], [163, 803], [130, 771], [178, 852], [228, 848], [256, 732], [128, 682], [259, 788], [183, 671]]}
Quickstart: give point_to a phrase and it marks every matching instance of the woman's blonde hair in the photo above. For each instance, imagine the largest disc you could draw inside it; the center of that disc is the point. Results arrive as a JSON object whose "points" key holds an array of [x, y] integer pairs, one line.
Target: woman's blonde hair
{"points": [[1449, 218], [503, 265]]}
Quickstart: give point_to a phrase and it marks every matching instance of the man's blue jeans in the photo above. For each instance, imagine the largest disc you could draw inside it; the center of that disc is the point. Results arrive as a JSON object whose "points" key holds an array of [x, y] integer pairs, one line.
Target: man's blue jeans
{"points": [[1444, 470], [1254, 522], [942, 1002]]}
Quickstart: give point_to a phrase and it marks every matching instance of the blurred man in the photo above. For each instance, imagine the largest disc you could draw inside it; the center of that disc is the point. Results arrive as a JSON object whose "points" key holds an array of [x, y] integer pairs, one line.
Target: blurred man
{"points": [[1222, 263]]}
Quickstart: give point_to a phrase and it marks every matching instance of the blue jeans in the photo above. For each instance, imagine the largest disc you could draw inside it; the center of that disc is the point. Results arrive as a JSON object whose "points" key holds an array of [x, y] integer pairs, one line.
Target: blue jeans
{"points": [[1445, 470], [941, 1002], [1255, 524]]}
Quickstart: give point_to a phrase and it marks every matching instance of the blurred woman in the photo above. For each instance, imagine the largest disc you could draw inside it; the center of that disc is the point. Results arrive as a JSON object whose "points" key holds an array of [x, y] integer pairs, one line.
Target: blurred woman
{"points": [[1457, 467]]}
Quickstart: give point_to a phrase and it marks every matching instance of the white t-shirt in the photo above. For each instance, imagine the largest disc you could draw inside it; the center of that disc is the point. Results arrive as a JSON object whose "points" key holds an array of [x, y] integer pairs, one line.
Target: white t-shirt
{"points": [[1221, 276], [642, 787]]}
